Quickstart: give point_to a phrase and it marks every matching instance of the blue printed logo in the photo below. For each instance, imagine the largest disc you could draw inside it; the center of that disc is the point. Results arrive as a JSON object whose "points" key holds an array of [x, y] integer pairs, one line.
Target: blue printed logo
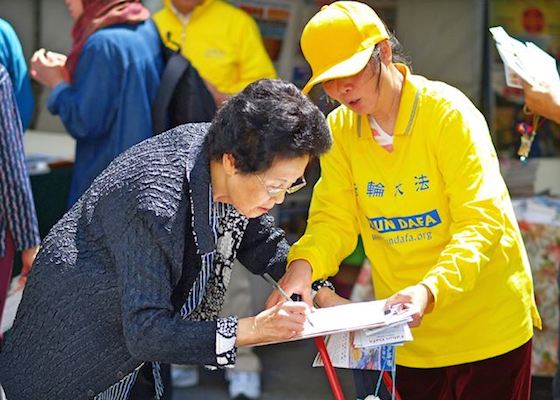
{"points": [[385, 225], [387, 357]]}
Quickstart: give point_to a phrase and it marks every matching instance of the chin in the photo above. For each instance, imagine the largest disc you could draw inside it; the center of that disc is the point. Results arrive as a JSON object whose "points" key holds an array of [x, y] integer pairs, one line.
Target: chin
{"points": [[256, 212], [249, 213]]}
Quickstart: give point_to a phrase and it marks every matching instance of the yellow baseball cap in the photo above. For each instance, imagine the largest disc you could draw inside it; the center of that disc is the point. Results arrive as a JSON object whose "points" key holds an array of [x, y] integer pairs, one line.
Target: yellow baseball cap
{"points": [[339, 39]]}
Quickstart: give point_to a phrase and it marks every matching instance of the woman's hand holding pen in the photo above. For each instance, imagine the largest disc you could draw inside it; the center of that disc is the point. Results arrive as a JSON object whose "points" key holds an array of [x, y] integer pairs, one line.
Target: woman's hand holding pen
{"points": [[297, 279], [281, 322]]}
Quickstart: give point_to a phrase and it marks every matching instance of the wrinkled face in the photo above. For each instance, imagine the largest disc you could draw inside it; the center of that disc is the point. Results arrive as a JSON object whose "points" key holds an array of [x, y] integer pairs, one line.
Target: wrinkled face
{"points": [[361, 92], [255, 194], [75, 8], [186, 6]]}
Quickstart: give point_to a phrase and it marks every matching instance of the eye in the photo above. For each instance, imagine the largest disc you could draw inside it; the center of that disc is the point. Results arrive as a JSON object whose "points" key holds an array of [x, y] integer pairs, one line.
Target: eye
{"points": [[276, 187]]}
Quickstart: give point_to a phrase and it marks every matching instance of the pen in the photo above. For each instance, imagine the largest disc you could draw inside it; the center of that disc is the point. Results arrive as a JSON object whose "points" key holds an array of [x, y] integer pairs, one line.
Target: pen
{"points": [[276, 286]]}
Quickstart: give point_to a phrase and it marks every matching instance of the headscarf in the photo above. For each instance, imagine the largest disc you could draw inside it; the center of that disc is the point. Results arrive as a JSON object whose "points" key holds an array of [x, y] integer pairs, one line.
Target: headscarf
{"points": [[98, 14]]}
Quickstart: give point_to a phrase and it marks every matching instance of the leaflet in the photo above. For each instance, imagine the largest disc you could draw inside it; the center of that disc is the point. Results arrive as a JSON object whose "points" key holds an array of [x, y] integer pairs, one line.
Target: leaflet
{"points": [[524, 61]]}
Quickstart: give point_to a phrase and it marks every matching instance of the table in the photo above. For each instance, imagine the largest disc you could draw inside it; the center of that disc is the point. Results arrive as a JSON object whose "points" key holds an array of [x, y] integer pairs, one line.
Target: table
{"points": [[543, 248]]}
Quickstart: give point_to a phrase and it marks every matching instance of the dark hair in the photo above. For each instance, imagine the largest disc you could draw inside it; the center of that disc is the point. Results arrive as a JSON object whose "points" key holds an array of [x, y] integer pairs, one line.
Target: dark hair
{"points": [[269, 119], [399, 55]]}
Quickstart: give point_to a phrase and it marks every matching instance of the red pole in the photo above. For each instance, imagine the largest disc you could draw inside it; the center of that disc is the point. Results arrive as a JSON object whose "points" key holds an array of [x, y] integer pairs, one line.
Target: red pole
{"points": [[389, 384], [329, 369]]}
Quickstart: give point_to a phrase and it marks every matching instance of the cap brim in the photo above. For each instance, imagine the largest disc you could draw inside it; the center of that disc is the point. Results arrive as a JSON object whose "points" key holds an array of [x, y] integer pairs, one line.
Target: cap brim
{"points": [[348, 67]]}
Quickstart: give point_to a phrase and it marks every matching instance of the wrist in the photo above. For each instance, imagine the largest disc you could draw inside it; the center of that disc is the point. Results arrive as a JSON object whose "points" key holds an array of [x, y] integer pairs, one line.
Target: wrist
{"points": [[246, 332], [55, 82], [302, 265], [317, 287], [430, 300]]}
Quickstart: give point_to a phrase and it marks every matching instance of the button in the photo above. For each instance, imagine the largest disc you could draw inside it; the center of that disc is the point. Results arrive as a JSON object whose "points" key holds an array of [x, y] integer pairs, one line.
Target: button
{"points": [[90, 394], [120, 375]]}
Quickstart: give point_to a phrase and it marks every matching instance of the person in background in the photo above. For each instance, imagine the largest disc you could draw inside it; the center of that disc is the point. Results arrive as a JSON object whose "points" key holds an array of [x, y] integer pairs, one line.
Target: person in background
{"points": [[104, 89], [12, 58], [221, 41], [136, 271], [19, 230], [414, 171], [543, 99], [225, 46]]}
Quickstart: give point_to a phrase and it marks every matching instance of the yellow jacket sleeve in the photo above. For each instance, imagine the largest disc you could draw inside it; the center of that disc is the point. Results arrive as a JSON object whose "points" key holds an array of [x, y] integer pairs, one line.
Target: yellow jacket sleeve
{"points": [[254, 62], [467, 160], [332, 226]]}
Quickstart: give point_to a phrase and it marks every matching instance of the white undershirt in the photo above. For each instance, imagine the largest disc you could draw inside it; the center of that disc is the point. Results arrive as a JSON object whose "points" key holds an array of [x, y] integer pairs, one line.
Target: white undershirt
{"points": [[382, 138]]}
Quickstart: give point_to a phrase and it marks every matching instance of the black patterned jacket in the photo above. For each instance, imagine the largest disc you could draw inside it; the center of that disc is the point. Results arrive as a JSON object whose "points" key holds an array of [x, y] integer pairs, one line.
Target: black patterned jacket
{"points": [[99, 298]]}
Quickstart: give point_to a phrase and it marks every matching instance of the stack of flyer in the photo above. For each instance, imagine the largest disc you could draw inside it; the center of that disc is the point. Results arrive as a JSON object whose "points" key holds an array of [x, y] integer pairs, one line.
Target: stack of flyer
{"points": [[371, 348], [524, 61], [359, 335]]}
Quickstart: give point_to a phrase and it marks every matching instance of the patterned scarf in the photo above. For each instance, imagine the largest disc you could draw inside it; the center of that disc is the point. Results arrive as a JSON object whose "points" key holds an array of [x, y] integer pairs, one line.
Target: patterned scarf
{"points": [[99, 14]]}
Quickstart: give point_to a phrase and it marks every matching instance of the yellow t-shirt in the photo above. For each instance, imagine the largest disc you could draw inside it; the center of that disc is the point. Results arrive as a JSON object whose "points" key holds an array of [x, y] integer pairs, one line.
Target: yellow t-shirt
{"points": [[433, 211], [221, 41]]}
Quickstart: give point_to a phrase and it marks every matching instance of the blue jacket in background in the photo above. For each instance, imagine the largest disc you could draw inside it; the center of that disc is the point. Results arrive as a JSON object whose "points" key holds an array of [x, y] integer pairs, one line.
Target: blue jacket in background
{"points": [[107, 108], [11, 57]]}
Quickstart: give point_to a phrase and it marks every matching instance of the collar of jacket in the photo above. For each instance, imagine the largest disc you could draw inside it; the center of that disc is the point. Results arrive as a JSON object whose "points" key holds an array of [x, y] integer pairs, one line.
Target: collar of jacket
{"points": [[197, 11], [408, 107], [199, 187]]}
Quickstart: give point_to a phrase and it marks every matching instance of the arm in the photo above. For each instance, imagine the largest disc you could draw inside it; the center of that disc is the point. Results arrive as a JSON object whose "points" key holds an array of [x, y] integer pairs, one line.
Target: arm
{"points": [[15, 189], [332, 226], [477, 194], [264, 247], [88, 106], [152, 329]]}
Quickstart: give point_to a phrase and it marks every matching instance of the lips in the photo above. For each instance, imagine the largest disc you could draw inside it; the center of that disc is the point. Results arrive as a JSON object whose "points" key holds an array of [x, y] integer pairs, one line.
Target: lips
{"points": [[354, 103]]}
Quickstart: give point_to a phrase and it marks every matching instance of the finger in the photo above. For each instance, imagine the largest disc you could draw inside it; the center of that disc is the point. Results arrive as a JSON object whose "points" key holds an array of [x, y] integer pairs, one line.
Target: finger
{"points": [[397, 299], [416, 321], [273, 300], [60, 58], [36, 55], [42, 58], [526, 85], [298, 307], [297, 318], [293, 326]]}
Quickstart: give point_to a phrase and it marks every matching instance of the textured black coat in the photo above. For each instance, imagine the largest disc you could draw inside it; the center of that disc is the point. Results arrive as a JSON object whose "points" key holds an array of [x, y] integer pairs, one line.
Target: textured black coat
{"points": [[98, 300]]}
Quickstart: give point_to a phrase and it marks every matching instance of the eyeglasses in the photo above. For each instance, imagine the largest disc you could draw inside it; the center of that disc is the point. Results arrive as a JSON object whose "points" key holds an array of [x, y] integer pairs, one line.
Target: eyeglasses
{"points": [[277, 191]]}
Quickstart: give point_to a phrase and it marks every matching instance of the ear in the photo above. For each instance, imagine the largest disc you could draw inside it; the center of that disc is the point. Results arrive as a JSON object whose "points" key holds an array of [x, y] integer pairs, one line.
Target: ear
{"points": [[386, 52], [228, 162]]}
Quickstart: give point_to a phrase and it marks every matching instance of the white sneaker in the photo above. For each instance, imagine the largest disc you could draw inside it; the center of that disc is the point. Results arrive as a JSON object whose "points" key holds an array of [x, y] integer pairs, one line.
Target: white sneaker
{"points": [[183, 376], [243, 383]]}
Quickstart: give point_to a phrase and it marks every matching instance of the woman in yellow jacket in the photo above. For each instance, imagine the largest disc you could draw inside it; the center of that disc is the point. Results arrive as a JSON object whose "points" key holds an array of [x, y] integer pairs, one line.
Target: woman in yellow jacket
{"points": [[222, 42], [413, 170]]}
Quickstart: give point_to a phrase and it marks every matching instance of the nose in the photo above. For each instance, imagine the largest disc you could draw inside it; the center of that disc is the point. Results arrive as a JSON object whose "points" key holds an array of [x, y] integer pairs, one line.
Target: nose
{"points": [[338, 88], [344, 87], [280, 198]]}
